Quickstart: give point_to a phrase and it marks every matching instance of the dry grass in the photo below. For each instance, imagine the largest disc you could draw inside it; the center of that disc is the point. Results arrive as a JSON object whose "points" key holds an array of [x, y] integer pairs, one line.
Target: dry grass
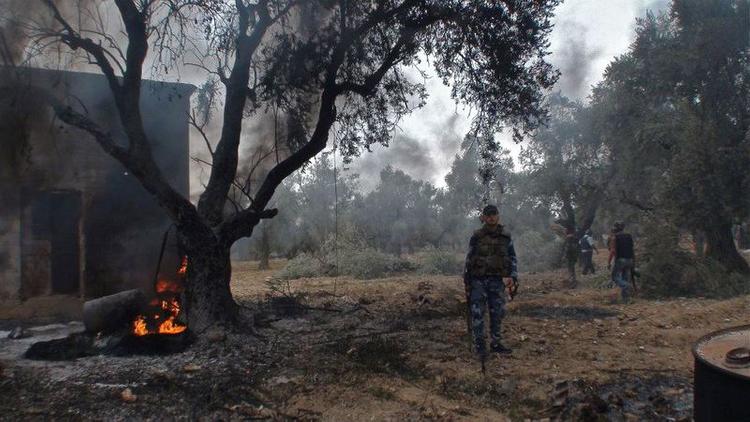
{"points": [[557, 335]]}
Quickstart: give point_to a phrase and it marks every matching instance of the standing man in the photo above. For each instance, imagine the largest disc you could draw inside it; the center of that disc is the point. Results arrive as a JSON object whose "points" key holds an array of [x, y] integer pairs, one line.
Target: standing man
{"points": [[624, 256], [588, 247], [491, 258]]}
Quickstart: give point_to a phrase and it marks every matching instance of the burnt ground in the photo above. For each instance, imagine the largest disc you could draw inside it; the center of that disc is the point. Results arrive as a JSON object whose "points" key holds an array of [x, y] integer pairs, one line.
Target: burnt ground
{"points": [[393, 349]]}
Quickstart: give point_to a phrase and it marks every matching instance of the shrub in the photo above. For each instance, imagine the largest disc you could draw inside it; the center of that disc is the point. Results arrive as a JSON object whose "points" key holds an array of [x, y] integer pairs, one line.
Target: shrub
{"points": [[536, 252], [369, 263], [302, 265], [669, 271], [678, 273], [437, 261]]}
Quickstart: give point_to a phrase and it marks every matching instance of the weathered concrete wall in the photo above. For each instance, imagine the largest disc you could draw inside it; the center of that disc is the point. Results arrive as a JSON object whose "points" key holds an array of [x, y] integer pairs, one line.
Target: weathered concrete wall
{"points": [[118, 225], [10, 239]]}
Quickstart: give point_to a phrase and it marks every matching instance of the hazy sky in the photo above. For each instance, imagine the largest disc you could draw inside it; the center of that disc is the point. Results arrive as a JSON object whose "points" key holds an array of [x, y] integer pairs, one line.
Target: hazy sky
{"points": [[588, 34]]}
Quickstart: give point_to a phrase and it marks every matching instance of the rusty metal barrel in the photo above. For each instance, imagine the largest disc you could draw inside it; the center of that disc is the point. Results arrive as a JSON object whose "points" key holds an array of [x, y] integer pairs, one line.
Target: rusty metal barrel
{"points": [[113, 313], [722, 376]]}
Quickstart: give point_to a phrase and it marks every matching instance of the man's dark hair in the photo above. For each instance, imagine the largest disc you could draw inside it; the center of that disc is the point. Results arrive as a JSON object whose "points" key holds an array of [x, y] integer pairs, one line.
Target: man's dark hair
{"points": [[619, 226], [490, 210]]}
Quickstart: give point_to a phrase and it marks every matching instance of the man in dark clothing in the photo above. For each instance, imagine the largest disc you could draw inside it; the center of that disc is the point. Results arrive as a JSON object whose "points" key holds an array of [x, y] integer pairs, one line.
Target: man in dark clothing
{"points": [[588, 247], [624, 256], [491, 258]]}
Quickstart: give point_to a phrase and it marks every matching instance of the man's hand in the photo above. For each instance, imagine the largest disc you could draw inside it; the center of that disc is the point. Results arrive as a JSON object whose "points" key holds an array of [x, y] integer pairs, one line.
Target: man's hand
{"points": [[512, 285]]}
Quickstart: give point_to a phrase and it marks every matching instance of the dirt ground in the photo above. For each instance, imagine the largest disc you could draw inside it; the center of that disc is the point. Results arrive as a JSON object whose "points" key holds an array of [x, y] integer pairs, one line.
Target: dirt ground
{"points": [[394, 349]]}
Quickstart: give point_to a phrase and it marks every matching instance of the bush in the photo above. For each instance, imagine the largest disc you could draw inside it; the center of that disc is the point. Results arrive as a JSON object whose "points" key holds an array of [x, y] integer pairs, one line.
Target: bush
{"points": [[302, 265], [678, 273], [369, 263], [536, 252], [437, 261], [669, 271]]}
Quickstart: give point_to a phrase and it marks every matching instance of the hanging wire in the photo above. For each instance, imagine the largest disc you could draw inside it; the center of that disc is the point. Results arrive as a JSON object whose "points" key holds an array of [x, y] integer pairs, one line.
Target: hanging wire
{"points": [[335, 214]]}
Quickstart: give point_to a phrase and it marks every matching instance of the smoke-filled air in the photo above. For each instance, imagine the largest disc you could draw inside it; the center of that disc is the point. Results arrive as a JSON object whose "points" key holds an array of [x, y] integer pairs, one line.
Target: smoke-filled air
{"points": [[455, 210]]}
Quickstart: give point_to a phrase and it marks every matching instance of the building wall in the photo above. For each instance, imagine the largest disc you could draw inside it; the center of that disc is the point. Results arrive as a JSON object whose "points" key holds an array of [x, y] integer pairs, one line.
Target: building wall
{"points": [[56, 171]]}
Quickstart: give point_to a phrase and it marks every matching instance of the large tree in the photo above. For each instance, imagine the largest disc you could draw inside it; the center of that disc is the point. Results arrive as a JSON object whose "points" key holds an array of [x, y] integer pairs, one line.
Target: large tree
{"points": [[329, 66], [677, 108], [567, 165]]}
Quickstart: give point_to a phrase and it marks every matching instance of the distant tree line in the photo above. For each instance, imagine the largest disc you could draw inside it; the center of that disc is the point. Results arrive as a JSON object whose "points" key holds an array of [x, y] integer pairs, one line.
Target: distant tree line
{"points": [[662, 143]]}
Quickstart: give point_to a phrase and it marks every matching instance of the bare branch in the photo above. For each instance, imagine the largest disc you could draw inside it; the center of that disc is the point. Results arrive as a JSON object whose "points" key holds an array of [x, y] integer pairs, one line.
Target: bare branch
{"points": [[194, 122], [71, 38]]}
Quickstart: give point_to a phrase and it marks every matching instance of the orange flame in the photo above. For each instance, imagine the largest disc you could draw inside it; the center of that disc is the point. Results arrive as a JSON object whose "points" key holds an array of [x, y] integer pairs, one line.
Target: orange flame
{"points": [[164, 308], [139, 326], [168, 326], [183, 267], [164, 286], [171, 327]]}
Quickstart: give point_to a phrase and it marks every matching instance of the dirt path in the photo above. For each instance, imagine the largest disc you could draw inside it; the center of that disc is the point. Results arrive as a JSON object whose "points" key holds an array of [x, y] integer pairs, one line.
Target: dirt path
{"points": [[395, 349]]}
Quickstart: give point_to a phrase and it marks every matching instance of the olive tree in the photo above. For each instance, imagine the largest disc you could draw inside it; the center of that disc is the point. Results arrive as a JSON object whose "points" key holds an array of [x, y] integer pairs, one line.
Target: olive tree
{"points": [[332, 67]]}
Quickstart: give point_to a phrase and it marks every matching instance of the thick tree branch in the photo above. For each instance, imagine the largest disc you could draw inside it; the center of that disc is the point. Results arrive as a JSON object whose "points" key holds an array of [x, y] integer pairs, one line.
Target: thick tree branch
{"points": [[625, 199], [366, 88], [242, 224], [226, 154]]}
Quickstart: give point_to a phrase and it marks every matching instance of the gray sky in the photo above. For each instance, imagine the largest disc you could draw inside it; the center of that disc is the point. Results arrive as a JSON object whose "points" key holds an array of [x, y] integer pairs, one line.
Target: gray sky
{"points": [[588, 34]]}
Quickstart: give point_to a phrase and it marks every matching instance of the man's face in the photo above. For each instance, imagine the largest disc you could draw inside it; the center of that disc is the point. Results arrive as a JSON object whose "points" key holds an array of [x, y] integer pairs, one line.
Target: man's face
{"points": [[490, 220]]}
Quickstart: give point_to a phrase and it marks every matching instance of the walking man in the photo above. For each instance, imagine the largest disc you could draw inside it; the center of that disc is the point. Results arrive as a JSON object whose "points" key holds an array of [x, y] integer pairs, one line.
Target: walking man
{"points": [[490, 260], [588, 247]]}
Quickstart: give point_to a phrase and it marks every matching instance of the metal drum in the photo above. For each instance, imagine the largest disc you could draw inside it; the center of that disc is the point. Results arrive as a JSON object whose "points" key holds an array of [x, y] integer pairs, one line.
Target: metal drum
{"points": [[722, 376]]}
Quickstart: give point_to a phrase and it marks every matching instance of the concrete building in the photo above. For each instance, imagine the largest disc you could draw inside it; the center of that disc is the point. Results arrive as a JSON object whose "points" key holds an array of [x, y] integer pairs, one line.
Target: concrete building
{"points": [[73, 222]]}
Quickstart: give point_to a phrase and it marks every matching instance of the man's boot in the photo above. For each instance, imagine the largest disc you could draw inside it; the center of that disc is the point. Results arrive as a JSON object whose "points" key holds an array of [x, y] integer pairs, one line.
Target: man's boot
{"points": [[500, 349]]}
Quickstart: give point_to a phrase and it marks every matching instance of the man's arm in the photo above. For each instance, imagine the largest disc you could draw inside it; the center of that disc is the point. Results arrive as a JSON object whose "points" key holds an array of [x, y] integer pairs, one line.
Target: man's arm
{"points": [[472, 250]]}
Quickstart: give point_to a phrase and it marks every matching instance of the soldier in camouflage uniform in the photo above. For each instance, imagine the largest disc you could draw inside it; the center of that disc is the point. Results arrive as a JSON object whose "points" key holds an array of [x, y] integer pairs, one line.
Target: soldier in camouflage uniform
{"points": [[491, 258]]}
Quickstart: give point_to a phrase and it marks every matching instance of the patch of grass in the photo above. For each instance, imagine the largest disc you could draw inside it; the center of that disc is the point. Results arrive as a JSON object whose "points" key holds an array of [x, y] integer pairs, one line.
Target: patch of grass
{"points": [[576, 313], [379, 354], [381, 393], [437, 261], [482, 390], [286, 306]]}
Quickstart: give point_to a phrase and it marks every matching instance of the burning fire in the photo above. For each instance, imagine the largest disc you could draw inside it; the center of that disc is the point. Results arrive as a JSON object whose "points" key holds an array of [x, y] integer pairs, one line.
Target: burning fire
{"points": [[183, 267], [165, 308]]}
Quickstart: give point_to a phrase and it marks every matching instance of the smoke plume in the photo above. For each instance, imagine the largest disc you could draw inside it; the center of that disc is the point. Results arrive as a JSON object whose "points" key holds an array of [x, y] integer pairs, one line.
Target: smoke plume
{"points": [[575, 59]]}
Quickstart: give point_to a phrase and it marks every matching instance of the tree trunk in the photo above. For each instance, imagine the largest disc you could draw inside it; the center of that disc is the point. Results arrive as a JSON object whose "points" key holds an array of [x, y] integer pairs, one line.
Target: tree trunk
{"points": [[700, 242], [720, 246], [208, 300], [265, 248]]}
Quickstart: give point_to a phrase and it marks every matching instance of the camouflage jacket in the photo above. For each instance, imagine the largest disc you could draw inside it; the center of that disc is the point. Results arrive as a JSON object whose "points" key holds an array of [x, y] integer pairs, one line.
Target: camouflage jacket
{"points": [[491, 253]]}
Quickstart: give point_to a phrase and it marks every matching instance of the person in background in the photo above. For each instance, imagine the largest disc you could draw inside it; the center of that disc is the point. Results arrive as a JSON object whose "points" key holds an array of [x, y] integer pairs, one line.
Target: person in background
{"points": [[588, 247], [623, 253]]}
